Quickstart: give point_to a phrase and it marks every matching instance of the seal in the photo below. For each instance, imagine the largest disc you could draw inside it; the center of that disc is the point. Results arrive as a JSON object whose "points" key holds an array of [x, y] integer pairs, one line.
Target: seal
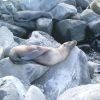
{"points": [[95, 6], [40, 54]]}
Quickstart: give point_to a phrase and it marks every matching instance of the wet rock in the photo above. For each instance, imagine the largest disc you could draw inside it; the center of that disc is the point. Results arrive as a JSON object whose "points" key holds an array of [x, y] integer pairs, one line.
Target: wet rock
{"points": [[69, 73], [85, 92], [17, 31], [25, 72], [63, 11], [11, 89], [34, 93], [70, 30], [45, 25]]}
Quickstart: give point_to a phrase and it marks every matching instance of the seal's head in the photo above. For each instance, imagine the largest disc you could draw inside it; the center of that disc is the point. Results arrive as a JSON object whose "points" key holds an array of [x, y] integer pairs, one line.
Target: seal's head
{"points": [[70, 44]]}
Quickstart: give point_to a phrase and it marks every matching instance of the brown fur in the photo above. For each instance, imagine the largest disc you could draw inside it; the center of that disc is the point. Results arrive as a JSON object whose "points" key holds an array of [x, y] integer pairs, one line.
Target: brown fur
{"points": [[40, 54]]}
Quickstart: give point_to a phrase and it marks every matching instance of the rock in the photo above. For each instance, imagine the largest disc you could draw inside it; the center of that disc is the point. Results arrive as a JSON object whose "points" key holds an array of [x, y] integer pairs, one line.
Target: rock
{"points": [[95, 6], [84, 92], [11, 89], [45, 25], [6, 41], [83, 3], [17, 31], [25, 72], [63, 11], [71, 2], [42, 39], [34, 93], [95, 27], [1, 52], [93, 68], [37, 5], [70, 30], [85, 47], [28, 15], [88, 15], [67, 74]]}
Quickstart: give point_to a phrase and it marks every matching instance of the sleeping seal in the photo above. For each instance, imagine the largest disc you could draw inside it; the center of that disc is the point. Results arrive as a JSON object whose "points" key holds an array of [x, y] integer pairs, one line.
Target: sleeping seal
{"points": [[95, 6], [40, 54]]}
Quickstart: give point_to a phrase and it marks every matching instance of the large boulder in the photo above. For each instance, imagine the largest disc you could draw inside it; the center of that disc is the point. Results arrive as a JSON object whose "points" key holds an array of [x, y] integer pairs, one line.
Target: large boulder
{"points": [[45, 25], [95, 27], [63, 11], [70, 29], [6, 41], [25, 72], [83, 3], [34, 93], [43, 39], [37, 5], [87, 15], [85, 92], [11, 89], [71, 72], [17, 31]]}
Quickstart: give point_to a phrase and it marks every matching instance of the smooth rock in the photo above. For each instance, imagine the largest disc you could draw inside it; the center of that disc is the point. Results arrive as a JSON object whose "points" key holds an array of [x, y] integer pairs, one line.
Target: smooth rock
{"points": [[70, 29], [63, 11], [42, 39], [67, 74], [17, 31], [34, 93], [71, 2], [83, 3], [39, 5], [95, 27], [44, 24], [88, 15], [11, 89], [84, 92], [25, 72]]}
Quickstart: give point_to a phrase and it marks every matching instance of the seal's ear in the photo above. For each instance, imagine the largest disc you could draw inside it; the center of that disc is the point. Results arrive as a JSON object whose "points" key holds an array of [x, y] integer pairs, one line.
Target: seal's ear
{"points": [[34, 54]]}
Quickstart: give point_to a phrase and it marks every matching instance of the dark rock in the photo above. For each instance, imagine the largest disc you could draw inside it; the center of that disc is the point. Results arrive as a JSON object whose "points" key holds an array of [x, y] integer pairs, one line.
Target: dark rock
{"points": [[63, 11], [70, 30]]}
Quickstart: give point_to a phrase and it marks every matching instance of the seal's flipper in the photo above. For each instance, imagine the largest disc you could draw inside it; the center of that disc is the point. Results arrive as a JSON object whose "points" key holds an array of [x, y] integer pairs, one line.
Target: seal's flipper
{"points": [[34, 54]]}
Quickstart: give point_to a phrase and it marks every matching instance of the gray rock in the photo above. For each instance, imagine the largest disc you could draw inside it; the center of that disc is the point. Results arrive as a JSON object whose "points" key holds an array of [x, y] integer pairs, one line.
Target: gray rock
{"points": [[1, 52], [71, 30], [69, 73], [25, 72], [6, 40], [42, 39], [87, 15], [84, 92], [45, 25], [71, 2], [83, 3], [95, 27], [34, 93], [39, 5], [17, 31], [11, 89], [63, 11]]}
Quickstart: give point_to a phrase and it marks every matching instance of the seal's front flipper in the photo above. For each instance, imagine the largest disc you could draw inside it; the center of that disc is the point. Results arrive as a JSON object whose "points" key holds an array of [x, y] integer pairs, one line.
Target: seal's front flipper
{"points": [[34, 54]]}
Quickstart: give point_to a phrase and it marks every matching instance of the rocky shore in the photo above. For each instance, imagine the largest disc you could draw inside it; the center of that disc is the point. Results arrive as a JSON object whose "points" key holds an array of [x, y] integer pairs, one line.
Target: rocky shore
{"points": [[49, 24]]}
